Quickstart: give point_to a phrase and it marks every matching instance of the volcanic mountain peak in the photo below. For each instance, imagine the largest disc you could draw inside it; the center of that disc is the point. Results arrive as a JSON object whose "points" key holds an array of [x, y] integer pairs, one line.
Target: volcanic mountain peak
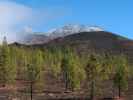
{"points": [[72, 29]]}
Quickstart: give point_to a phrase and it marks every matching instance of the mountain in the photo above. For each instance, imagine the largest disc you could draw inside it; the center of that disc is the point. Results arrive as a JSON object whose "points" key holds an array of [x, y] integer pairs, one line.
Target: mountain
{"points": [[40, 37], [72, 29], [81, 36], [34, 38], [83, 39], [100, 41]]}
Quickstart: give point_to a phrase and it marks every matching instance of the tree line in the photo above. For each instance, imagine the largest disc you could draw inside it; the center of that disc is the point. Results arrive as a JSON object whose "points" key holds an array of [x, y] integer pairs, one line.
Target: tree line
{"points": [[29, 64]]}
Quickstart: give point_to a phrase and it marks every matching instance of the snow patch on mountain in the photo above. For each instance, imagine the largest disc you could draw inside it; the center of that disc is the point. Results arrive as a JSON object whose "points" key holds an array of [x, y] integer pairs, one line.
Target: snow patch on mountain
{"points": [[29, 37], [72, 29]]}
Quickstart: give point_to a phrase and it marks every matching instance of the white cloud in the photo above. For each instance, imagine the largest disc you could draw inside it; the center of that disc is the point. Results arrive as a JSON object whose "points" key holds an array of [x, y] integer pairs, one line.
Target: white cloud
{"points": [[12, 15], [16, 18], [28, 29]]}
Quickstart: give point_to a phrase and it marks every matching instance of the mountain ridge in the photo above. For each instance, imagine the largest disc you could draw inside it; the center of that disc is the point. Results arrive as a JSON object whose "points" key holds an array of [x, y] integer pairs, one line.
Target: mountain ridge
{"points": [[41, 38]]}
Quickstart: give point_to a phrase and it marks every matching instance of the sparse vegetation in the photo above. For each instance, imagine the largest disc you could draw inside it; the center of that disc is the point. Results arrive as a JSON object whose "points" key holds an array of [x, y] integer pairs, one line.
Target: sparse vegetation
{"points": [[29, 64]]}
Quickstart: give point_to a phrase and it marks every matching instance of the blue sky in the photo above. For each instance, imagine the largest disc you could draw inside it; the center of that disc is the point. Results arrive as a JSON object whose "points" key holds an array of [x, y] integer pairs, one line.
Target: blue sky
{"points": [[112, 15]]}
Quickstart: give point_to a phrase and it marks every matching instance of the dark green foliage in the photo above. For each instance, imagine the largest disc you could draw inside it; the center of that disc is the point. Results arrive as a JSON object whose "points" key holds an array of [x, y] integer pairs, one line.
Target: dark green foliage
{"points": [[72, 71], [55, 61], [34, 66], [34, 70], [30, 64], [98, 69], [7, 65], [92, 73], [121, 73]]}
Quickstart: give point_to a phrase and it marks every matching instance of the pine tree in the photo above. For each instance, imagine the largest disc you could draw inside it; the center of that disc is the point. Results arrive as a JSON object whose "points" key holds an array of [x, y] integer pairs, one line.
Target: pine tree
{"points": [[121, 73], [106, 65], [91, 73], [72, 71], [34, 69], [55, 62], [97, 70], [22, 59], [13, 65], [7, 68]]}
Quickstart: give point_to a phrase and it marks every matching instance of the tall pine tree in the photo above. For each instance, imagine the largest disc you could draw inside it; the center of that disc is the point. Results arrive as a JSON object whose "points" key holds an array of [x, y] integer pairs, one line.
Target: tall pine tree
{"points": [[34, 70], [72, 71], [121, 73], [7, 66]]}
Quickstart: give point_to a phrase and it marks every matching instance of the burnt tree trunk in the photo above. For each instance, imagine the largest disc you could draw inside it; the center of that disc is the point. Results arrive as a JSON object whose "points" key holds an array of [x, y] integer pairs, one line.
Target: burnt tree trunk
{"points": [[92, 91], [31, 90]]}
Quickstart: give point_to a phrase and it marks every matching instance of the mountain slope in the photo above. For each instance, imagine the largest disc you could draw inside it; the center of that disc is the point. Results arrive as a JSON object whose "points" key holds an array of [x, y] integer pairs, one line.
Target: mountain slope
{"points": [[72, 29], [67, 30], [82, 38], [100, 41], [40, 37]]}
